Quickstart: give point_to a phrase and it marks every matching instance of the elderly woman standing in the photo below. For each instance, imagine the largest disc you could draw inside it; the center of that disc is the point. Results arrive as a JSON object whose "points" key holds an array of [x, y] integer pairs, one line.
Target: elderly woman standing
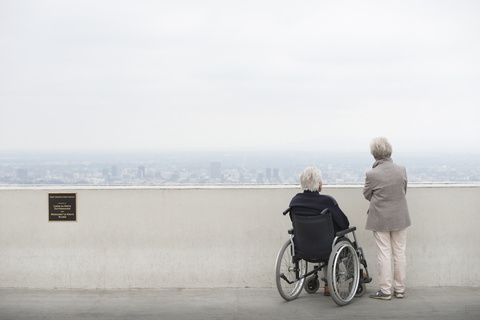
{"points": [[388, 217]]}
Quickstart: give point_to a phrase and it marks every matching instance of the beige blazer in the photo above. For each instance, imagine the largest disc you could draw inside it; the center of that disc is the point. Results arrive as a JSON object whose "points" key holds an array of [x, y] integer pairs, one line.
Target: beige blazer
{"points": [[385, 188]]}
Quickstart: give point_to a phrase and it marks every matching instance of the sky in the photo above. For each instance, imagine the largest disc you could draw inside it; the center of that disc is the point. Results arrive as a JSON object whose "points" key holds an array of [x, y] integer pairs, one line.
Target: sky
{"points": [[260, 75]]}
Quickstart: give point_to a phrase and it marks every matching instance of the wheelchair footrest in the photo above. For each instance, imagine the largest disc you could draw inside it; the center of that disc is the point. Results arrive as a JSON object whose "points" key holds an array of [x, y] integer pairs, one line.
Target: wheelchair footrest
{"points": [[285, 278], [366, 280]]}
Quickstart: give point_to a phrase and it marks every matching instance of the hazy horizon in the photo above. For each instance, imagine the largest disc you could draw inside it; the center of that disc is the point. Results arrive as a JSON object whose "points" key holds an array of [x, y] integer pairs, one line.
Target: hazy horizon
{"points": [[236, 167]]}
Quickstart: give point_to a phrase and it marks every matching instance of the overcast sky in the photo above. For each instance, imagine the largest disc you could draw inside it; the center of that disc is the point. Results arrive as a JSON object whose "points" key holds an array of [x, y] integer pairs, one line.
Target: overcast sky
{"points": [[121, 75]]}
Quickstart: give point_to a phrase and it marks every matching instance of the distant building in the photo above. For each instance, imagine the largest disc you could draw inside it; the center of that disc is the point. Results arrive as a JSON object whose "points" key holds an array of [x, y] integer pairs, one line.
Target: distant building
{"points": [[114, 171], [268, 173], [141, 172], [260, 177], [215, 170]]}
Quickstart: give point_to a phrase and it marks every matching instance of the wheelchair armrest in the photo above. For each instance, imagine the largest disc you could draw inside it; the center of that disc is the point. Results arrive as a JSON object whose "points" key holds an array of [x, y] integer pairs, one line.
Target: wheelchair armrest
{"points": [[344, 232]]}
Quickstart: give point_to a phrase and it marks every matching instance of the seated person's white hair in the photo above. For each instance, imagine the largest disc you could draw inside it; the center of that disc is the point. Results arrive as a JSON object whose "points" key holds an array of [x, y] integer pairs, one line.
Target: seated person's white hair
{"points": [[310, 179]]}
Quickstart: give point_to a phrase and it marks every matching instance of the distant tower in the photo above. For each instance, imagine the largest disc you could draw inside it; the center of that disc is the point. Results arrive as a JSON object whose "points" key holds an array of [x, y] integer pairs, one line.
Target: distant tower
{"points": [[114, 171], [260, 177], [215, 170], [141, 172], [268, 173]]}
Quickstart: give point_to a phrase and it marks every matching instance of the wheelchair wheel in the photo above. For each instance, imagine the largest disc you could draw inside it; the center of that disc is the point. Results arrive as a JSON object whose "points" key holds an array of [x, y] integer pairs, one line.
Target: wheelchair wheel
{"points": [[287, 273], [312, 284], [343, 272], [362, 288]]}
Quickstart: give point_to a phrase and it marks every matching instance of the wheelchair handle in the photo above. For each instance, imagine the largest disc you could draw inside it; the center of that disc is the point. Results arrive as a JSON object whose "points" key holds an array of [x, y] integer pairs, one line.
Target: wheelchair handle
{"points": [[287, 211], [344, 232]]}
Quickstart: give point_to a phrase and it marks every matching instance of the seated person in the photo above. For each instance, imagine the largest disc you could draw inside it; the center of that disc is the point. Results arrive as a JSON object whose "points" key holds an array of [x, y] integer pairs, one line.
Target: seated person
{"points": [[312, 202]]}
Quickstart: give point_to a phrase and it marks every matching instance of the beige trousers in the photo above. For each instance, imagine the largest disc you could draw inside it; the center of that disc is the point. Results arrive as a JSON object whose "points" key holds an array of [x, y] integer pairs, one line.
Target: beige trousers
{"points": [[387, 243]]}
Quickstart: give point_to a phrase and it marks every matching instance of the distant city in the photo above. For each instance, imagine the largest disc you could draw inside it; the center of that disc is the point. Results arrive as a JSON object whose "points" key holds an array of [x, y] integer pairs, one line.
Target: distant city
{"points": [[201, 168]]}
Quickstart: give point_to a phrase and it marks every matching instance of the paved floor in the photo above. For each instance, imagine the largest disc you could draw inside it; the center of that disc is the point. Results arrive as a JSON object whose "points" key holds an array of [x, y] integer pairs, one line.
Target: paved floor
{"points": [[420, 303]]}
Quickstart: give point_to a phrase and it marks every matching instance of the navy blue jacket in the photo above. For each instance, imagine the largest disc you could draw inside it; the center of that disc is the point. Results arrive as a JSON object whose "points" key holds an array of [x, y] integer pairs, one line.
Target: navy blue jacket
{"points": [[312, 203]]}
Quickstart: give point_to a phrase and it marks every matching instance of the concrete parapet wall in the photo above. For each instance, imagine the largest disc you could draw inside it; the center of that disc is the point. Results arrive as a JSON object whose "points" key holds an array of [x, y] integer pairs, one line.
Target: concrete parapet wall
{"points": [[203, 237]]}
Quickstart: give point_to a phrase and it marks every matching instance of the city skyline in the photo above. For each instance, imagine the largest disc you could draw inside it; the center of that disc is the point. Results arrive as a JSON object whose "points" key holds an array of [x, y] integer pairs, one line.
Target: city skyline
{"points": [[197, 168]]}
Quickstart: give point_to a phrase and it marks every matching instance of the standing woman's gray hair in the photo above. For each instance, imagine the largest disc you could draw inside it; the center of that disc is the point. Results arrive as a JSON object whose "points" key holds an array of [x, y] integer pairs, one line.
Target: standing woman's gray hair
{"points": [[380, 148], [310, 179]]}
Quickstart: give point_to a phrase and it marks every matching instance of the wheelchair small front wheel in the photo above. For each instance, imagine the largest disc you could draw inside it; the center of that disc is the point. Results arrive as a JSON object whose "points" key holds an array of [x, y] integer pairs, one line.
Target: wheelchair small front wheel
{"points": [[289, 273], [362, 288], [312, 284], [343, 273]]}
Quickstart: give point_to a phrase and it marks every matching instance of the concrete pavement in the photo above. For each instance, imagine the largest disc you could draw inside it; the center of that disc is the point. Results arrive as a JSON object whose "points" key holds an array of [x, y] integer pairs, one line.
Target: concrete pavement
{"points": [[245, 303]]}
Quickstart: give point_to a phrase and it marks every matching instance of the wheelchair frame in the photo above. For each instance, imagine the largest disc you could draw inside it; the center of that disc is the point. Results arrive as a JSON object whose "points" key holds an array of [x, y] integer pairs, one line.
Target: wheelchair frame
{"points": [[344, 276]]}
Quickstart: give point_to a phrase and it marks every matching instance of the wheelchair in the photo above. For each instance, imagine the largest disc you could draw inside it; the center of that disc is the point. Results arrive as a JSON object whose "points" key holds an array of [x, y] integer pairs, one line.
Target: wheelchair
{"points": [[312, 240]]}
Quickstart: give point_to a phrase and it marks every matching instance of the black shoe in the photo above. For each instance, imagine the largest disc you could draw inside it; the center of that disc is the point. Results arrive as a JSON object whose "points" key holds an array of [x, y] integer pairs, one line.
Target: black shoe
{"points": [[380, 295], [399, 295]]}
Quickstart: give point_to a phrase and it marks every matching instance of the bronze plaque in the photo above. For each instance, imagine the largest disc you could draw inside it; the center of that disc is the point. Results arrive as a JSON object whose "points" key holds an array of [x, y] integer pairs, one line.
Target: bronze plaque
{"points": [[62, 207]]}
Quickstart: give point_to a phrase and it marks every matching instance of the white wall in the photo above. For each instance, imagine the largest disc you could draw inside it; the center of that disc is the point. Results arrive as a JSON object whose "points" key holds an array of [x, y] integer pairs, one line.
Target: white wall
{"points": [[164, 237]]}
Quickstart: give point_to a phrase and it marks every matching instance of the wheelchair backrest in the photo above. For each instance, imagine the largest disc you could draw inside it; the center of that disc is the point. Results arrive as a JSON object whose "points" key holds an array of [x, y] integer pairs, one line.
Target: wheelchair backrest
{"points": [[313, 233]]}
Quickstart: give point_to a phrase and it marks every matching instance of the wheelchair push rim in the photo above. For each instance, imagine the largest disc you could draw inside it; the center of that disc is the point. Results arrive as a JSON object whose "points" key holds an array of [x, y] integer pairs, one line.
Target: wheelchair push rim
{"points": [[343, 272], [289, 274]]}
